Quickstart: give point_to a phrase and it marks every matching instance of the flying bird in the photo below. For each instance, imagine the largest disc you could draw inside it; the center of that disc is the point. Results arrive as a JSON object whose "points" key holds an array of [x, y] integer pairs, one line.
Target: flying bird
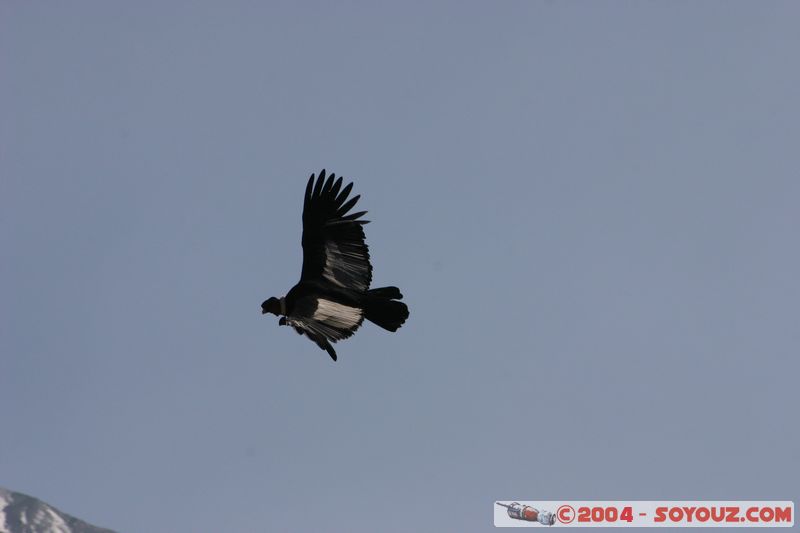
{"points": [[333, 297]]}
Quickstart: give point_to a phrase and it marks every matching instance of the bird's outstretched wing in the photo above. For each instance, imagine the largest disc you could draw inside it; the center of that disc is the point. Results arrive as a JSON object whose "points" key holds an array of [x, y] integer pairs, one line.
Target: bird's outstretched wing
{"points": [[334, 247]]}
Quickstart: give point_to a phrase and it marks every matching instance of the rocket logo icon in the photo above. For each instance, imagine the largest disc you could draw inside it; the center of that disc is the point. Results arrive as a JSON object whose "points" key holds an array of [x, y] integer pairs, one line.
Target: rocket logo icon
{"points": [[527, 513]]}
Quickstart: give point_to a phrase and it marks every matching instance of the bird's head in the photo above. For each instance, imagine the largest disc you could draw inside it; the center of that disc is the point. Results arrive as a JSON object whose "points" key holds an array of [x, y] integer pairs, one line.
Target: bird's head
{"points": [[273, 305]]}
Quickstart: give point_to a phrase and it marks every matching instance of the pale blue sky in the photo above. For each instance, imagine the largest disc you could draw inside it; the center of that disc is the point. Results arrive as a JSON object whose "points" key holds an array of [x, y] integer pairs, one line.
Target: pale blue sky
{"points": [[591, 208]]}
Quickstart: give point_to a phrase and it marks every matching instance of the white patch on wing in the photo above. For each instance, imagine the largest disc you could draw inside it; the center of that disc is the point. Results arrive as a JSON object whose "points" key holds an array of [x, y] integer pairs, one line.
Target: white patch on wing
{"points": [[337, 315], [349, 263], [331, 252]]}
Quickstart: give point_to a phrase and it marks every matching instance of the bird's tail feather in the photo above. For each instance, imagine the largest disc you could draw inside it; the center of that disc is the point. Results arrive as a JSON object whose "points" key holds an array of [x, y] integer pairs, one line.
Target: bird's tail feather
{"points": [[382, 309]]}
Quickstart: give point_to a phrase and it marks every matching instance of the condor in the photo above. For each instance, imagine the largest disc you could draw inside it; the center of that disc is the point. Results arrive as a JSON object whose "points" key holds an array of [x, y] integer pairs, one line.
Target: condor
{"points": [[333, 297]]}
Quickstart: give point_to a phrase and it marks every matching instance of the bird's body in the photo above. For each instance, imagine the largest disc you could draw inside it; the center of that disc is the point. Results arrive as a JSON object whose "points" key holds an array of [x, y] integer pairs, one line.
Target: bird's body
{"points": [[333, 297]]}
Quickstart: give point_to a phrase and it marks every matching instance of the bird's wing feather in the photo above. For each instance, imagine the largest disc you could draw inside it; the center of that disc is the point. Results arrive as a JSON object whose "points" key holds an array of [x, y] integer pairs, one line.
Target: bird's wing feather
{"points": [[320, 341], [334, 245], [326, 319]]}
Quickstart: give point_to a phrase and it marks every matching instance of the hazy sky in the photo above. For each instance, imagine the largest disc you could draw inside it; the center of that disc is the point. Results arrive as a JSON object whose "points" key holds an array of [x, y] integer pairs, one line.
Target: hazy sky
{"points": [[591, 208]]}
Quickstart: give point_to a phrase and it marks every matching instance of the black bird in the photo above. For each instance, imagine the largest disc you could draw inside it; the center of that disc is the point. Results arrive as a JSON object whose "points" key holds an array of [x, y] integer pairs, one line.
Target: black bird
{"points": [[333, 297]]}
